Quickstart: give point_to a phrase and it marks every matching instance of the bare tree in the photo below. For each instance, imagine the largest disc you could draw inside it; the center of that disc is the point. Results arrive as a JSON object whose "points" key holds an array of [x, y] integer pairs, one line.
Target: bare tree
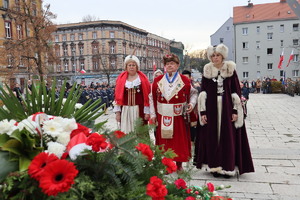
{"points": [[90, 18], [32, 44]]}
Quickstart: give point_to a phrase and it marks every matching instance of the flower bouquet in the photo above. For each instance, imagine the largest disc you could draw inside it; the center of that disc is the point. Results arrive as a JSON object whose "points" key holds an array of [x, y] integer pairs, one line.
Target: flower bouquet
{"points": [[47, 156]]}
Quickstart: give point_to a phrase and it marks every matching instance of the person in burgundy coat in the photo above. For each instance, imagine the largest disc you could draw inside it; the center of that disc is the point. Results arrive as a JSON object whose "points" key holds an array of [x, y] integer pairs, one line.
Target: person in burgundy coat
{"points": [[222, 143], [172, 100]]}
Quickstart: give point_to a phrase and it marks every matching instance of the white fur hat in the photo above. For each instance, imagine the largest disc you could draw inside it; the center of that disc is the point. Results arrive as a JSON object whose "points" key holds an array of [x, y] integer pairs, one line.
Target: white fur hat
{"points": [[132, 58], [221, 49]]}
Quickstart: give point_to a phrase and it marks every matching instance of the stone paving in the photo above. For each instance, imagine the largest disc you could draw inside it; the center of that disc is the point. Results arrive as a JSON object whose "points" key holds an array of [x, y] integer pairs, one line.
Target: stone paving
{"points": [[273, 127]]}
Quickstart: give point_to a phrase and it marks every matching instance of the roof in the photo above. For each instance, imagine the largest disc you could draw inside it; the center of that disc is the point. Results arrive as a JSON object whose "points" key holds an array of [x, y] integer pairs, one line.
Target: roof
{"points": [[263, 12]]}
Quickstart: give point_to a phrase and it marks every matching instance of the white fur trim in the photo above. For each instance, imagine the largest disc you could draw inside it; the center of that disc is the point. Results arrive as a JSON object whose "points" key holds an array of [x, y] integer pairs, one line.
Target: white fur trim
{"points": [[220, 170], [210, 71], [202, 104], [221, 49], [238, 106], [132, 58]]}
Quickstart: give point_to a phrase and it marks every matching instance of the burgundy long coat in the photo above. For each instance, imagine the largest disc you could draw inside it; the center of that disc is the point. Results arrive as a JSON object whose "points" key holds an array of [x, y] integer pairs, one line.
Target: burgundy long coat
{"points": [[233, 148]]}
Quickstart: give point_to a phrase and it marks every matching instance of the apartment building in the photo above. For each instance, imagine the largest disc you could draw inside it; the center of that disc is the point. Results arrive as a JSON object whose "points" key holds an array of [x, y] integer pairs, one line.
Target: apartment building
{"points": [[10, 29], [225, 35], [262, 33], [100, 46]]}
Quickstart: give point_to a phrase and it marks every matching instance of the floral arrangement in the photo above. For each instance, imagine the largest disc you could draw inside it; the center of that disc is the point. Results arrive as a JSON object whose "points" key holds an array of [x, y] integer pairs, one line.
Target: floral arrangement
{"points": [[47, 157]]}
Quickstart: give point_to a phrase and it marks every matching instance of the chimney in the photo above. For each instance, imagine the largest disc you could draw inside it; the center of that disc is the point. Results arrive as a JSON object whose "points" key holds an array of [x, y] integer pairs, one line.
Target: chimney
{"points": [[282, 1]]}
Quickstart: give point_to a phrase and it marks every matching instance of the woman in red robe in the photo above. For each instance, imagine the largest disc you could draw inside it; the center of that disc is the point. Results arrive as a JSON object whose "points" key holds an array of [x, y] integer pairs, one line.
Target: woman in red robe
{"points": [[222, 143], [131, 95]]}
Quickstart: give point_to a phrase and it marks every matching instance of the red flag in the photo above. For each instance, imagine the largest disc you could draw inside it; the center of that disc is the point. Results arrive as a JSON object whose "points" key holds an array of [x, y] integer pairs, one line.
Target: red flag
{"points": [[281, 59], [82, 71], [154, 66], [291, 58]]}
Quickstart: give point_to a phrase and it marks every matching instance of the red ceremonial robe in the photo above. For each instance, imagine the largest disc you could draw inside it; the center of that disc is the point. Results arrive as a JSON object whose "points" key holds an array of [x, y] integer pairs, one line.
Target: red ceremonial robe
{"points": [[181, 142]]}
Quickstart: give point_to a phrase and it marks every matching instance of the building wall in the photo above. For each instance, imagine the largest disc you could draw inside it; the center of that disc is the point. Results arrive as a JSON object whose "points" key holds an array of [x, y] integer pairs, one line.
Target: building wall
{"points": [[225, 35], [252, 57], [124, 38]]}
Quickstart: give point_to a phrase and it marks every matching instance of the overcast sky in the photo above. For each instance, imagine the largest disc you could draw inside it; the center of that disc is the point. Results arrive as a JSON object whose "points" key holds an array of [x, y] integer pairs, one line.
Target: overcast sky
{"points": [[189, 21]]}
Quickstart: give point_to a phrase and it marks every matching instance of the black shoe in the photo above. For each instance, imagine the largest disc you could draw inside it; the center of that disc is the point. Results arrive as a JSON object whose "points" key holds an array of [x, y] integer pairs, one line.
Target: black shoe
{"points": [[226, 176], [215, 174]]}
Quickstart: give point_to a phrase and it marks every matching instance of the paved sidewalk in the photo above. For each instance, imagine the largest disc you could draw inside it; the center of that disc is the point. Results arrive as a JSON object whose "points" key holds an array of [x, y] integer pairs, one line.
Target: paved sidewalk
{"points": [[273, 127]]}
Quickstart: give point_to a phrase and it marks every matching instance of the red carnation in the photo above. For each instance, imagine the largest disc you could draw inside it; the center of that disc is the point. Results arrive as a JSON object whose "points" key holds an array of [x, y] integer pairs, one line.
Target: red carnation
{"points": [[180, 183], [58, 177], [210, 187], [97, 142], [38, 164], [188, 191], [119, 134], [190, 198], [156, 189], [81, 129], [171, 166], [146, 150]]}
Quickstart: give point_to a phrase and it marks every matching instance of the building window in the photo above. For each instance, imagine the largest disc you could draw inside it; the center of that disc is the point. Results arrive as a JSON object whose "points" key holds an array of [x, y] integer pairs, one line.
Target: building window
{"points": [[270, 36], [295, 73], [245, 75], [258, 44], [94, 35], [269, 51], [65, 49], [270, 27], [64, 38], [258, 29], [270, 66], [58, 68], [295, 42], [80, 36], [81, 50], [72, 37], [74, 65], [66, 65], [95, 65], [112, 34], [113, 64], [281, 43], [281, 28], [6, 4], [295, 27], [258, 60], [19, 31], [221, 40], [296, 58], [57, 38], [258, 74], [281, 73], [8, 29], [9, 61], [112, 49], [245, 31], [245, 45], [227, 28], [82, 64], [245, 59], [73, 50]]}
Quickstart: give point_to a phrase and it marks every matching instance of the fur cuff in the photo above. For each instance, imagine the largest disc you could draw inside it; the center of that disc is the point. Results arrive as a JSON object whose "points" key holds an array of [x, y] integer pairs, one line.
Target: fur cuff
{"points": [[238, 106], [201, 104]]}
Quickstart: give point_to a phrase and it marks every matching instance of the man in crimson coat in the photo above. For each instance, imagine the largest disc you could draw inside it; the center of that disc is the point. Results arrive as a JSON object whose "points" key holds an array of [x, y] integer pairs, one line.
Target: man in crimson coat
{"points": [[172, 100]]}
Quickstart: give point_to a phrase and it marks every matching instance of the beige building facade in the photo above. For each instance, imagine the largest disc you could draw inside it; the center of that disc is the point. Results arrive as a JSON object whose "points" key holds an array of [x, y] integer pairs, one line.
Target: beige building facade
{"points": [[98, 48]]}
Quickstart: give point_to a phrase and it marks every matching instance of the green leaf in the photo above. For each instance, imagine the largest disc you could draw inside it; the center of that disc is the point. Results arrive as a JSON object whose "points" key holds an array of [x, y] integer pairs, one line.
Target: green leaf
{"points": [[13, 146], [24, 162], [6, 166], [3, 139]]}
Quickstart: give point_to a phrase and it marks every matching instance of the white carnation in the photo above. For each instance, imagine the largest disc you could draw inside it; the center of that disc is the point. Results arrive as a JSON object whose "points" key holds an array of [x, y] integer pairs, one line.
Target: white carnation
{"points": [[56, 148], [69, 124], [53, 127], [7, 126], [63, 138]]}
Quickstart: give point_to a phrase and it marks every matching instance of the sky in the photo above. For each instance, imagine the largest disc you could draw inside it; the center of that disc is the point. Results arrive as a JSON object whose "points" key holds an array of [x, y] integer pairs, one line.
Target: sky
{"points": [[188, 21]]}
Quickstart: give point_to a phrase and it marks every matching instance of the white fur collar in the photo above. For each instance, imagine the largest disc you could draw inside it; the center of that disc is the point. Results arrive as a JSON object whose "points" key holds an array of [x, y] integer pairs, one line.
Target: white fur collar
{"points": [[210, 71]]}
